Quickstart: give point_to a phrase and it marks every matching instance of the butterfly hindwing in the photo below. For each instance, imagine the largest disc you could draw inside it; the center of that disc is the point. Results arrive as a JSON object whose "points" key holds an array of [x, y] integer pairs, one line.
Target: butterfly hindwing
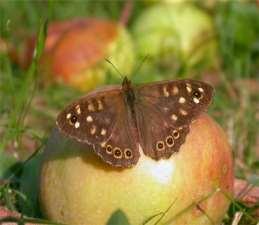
{"points": [[159, 138], [121, 149], [100, 120], [166, 110]]}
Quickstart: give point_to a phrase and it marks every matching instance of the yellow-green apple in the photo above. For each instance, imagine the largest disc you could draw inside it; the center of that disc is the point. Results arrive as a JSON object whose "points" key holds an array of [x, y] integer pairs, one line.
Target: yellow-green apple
{"points": [[78, 188], [175, 34]]}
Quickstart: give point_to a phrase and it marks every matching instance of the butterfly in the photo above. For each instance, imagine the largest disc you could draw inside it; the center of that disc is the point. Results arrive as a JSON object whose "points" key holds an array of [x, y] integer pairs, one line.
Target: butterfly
{"points": [[117, 119]]}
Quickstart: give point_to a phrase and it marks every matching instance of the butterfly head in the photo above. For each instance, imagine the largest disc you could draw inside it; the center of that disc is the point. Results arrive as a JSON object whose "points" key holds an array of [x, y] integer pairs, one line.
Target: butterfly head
{"points": [[126, 83]]}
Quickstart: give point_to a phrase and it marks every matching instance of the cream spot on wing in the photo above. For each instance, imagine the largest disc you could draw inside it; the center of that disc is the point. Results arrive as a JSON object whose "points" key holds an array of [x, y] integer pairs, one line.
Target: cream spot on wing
{"points": [[175, 90], [103, 131], [182, 100], [166, 109], [196, 100], [100, 105], [89, 119], [69, 115], [90, 107], [107, 120], [77, 125], [103, 144], [200, 89], [189, 87], [93, 130], [183, 112], [165, 91], [174, 117], [78, 109]]}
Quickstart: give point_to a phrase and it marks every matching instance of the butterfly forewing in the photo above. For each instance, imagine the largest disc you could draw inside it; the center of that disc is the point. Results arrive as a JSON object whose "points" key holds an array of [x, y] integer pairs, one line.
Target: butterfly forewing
{"points": [[165, 111], [101, 120]]}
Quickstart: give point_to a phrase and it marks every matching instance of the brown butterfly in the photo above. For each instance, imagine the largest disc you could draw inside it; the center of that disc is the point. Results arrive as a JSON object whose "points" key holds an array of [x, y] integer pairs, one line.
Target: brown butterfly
{"points": [[116, 119]]}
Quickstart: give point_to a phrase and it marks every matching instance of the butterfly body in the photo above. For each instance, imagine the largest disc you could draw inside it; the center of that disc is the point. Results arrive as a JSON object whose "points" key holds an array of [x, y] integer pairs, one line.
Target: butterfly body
{"points": [[116, 120], [129, 99]]}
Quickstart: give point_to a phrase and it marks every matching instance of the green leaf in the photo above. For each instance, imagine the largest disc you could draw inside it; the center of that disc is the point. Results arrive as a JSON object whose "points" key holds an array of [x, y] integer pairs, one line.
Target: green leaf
{"points": [[118, 218]]}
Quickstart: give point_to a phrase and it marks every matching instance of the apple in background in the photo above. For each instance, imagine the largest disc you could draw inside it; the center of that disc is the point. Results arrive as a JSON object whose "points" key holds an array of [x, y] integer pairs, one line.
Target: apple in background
{"points": [[174, 34], [78, 188], [75, 52]]}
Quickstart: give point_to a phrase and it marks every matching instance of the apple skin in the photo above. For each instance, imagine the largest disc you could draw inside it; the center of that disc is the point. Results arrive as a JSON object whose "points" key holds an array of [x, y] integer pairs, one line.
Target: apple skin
{"points": [[78, 188], [176, 33], [75, 52]]}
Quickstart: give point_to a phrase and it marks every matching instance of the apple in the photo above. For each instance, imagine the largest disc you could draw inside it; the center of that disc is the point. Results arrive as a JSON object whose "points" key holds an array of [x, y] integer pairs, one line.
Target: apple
{"points": [[174, 34], [75, 52], [78, 188]]}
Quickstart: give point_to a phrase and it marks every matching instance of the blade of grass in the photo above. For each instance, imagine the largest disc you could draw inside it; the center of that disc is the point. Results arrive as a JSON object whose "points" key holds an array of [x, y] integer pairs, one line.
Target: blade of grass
{"points": [[164, 213], [22, 97], [31, 78], [192, 205], [161, 214], [151, 218]]}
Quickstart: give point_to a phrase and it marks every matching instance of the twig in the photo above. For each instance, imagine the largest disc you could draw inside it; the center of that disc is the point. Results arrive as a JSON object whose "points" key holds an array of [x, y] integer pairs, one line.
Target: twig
{"points": [[237, 218], [14, 218], [126, 12], [245, 192]]}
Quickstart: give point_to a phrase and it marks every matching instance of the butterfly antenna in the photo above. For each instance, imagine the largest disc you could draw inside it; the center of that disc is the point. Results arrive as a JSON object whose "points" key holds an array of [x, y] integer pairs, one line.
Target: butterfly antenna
{"points": [[141, 64], [115, 68]]}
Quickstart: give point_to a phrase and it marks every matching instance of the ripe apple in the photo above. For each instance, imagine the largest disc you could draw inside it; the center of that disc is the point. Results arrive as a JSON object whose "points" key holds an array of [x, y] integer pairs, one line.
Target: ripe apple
{"points": [[75, 52], [78, 188]]}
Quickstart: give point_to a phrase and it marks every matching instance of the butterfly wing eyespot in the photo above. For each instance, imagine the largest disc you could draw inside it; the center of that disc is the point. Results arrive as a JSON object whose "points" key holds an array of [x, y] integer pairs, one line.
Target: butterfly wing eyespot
{"points": [[128, 153], [176, 134], [197, 94], [117, 153], [109, 149], [73, 120], [160, 145], [169, 141]]}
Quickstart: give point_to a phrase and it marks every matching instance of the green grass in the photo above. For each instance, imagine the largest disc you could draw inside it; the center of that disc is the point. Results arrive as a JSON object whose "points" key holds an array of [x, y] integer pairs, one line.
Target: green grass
{"points": [[24, 122]]}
